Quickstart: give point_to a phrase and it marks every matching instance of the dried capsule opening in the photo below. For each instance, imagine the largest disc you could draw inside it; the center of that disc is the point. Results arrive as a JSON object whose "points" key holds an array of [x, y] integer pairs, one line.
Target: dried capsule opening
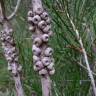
{"points": [[30, 13], [46, 16], [36, 20], [43, 25], [50, 52], [46, 38], [34, 50], [46, 61], [36, 42], [37, 65]]}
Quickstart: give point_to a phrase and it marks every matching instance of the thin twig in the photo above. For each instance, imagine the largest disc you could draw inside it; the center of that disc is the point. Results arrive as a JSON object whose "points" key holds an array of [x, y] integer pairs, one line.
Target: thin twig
{"points": [[84, 67], [85, 55], [15, 10]]}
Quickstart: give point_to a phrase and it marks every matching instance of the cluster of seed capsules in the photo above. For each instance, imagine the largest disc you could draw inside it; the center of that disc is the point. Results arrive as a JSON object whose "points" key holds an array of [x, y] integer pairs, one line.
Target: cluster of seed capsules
{"points": [[10, 51], [40, 26]]}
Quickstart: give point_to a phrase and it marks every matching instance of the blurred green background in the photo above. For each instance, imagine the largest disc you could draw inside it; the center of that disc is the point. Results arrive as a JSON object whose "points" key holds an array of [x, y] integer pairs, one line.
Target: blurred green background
{"points": [[71, 78]]}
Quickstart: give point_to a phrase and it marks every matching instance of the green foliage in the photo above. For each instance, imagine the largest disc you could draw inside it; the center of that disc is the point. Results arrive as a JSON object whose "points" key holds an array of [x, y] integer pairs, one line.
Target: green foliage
{"points": [[70, 78]]}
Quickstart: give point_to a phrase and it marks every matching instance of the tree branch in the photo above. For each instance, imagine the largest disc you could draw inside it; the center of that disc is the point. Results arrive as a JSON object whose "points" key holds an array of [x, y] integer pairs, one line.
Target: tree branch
{"points": [[85, 55], [39, 25], [15, 10], [10, 51], [2, 11]]}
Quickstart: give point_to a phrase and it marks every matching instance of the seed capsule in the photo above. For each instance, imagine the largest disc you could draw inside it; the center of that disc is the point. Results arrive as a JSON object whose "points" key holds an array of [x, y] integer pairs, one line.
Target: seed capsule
{"points": [[30, 13], [50, 67], [13, 55], [35, 68], [51, 72], [35, 58], [14, 69], [16, 59], [9, 67], [2, 31], [43, 72], [42, 24], [36, 50], [47, 29], [48, 20], [9, 52], [46, 61], [45, 37], [19, 68], [6, 49], [9, 39], [33, 36], [8, 58], [36, 19], [30, 19], [37, 41], [10, 31], [13, 49], [50, 33], [44, 15], [39, 65], [31, 28], [2, 39], [52, 60], [48, 51]]}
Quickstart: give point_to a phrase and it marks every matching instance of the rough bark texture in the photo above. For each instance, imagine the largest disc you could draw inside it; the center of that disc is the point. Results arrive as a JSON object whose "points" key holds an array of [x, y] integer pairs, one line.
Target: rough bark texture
{"points": [[40, 26], [10, 50], [18, 86], [46, 86]]}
